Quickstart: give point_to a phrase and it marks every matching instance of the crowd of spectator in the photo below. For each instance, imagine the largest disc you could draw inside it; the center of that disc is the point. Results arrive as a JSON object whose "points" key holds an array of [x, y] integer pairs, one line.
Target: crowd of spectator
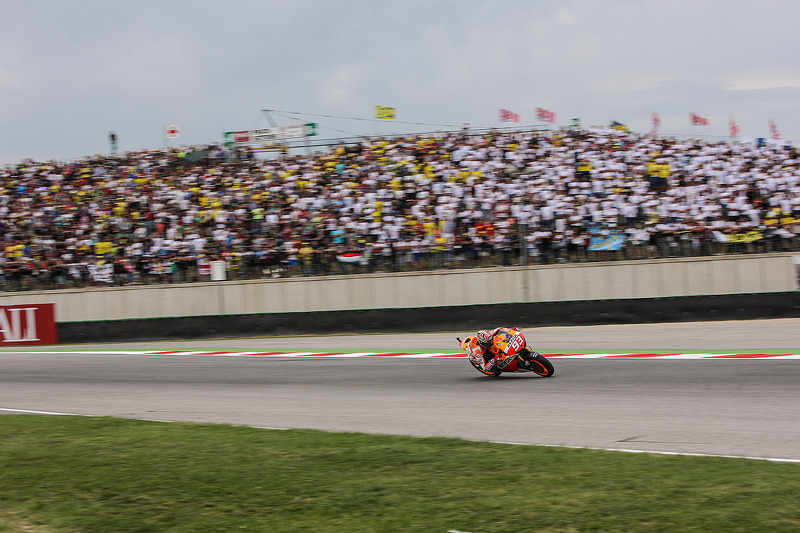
{"points": [[448, 200]]}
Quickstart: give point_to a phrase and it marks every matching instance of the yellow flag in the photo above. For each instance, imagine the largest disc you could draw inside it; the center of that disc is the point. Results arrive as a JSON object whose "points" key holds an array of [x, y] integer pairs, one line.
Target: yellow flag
{"points": [[384, 112]]}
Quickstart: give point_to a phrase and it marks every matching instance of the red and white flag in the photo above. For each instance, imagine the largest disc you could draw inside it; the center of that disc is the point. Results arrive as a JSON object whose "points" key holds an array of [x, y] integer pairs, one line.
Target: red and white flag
{"points": [[697, 120], [732, 127], [508, 116], [656, 123], [350, 257], [773, 130], [545, 116]]}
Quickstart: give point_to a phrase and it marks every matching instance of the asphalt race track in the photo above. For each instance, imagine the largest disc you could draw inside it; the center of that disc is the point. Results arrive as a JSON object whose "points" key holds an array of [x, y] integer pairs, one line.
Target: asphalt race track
{"points": [[736, 407]]}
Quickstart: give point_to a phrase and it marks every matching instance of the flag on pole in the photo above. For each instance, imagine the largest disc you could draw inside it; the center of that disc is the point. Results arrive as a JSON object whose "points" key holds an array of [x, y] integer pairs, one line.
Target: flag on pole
{"points": [[617, 125], [384, 112], [545, 116], [697, 120], [773, 129], [656, 121], [508, 116], [733, 128], [172, 131], [112, 139]]}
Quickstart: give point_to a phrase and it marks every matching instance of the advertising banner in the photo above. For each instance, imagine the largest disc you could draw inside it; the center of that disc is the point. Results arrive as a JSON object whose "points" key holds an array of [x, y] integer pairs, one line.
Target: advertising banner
{"points": [[23, 325], [277, 133], [612, 242]]}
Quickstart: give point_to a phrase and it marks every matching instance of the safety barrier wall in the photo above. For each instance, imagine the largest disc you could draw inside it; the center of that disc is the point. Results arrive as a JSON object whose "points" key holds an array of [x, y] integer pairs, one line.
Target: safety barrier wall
{"points": [[445, 288]]}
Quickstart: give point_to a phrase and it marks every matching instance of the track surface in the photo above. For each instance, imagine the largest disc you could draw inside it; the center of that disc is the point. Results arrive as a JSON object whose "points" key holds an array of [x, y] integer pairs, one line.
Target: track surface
{"points": [[718, 406]]}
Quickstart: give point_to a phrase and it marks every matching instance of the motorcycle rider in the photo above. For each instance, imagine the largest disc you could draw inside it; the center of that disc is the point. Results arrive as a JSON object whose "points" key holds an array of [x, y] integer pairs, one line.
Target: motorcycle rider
{"points": [[480, 349]]}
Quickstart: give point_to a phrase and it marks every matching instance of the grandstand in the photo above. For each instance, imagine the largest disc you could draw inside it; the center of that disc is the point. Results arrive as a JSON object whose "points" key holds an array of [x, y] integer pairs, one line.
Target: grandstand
{"points": [[448, 199]]}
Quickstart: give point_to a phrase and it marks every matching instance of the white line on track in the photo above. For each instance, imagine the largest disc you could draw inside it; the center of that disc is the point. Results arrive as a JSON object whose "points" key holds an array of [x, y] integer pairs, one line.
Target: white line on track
{"points": [[437, 355], [32, 412], [623, 450], [626, 450]]}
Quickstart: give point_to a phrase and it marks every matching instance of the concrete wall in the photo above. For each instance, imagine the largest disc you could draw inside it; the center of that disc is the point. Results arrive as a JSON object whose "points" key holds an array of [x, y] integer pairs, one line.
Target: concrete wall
{"points": [[447, 288]]}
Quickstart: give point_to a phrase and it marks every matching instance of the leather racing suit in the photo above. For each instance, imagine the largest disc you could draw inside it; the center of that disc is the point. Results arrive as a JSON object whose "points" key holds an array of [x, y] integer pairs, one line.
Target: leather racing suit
{"points": [[480, 349]]}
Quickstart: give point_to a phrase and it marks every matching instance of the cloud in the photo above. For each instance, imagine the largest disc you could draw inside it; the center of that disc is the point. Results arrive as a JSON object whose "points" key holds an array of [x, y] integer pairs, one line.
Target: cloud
{"points": [[75, 70]]}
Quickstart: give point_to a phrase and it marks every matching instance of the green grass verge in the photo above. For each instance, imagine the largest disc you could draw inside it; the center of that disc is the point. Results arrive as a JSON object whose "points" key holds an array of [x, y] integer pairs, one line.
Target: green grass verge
{"points": [[75, 474]]}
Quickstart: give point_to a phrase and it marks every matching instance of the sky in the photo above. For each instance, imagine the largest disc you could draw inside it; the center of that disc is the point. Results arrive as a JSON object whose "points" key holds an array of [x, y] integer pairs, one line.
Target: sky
{"points": [[71, 72]]}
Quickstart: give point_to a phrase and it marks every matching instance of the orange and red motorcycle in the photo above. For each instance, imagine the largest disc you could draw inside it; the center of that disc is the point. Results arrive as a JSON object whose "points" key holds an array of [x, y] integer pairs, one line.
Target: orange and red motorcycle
{"points": [[510, 352]]}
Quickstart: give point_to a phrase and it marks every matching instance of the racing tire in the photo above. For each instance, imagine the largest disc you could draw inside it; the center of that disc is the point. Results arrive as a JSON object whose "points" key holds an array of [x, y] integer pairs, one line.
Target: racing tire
{"points": [[541, 366]]}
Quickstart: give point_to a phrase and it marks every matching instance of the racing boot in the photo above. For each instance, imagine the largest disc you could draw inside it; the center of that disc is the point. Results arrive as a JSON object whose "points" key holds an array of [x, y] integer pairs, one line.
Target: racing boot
{"points": [[490, 365]]}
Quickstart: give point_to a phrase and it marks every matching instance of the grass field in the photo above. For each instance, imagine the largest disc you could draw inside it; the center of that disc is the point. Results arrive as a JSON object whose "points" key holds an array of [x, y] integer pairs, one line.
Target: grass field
{"points": [[76, 474]]}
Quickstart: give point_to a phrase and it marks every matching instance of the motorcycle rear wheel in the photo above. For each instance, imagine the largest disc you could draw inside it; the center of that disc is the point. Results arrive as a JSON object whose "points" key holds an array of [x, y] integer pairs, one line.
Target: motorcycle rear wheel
{"points": [[542, 366], [539, 365]]}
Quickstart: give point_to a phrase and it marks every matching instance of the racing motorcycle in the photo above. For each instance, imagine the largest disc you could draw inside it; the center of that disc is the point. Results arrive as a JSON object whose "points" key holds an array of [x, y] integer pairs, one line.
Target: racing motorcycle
{"points": [[512, 353]]}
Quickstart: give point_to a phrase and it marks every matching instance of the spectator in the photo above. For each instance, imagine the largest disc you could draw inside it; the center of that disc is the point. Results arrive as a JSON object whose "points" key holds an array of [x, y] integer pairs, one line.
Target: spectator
{"points": [[445, 201]]}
